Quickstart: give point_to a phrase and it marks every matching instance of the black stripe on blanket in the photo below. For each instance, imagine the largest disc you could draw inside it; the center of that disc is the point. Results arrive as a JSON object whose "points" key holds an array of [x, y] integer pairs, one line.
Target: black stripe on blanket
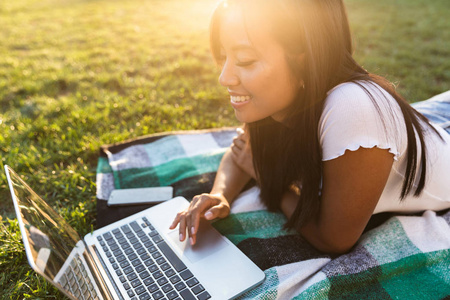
{"points": [[271, 252]]}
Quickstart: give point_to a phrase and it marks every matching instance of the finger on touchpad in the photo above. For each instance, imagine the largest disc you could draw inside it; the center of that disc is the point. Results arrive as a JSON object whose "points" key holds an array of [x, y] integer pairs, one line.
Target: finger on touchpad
{"points": [[209, 241]]}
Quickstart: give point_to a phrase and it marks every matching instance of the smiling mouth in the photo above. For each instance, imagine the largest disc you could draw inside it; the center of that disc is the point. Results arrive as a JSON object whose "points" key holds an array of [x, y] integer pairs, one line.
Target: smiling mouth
{"points": [[239, 99]]}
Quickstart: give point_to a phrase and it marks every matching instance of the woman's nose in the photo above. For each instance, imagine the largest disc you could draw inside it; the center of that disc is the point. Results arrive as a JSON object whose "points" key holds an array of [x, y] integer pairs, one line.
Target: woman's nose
{"points": [[228, 76]]}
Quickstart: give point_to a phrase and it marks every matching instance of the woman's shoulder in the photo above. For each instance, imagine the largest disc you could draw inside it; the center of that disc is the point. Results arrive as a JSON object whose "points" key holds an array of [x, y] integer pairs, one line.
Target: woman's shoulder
{"points": [[360, 114], [357, 93]]}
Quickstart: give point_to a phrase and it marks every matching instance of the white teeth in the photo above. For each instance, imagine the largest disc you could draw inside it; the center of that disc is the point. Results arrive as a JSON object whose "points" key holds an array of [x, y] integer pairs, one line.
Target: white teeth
{"points": [[237, 99]]}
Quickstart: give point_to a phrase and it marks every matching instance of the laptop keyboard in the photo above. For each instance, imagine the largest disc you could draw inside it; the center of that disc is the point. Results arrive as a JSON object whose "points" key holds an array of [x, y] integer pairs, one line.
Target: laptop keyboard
{"points": [[146, 266], [76, 280]]}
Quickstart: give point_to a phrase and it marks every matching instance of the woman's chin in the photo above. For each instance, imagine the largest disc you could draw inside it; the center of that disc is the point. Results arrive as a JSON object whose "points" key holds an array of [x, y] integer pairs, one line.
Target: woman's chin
{"points": [[246, 118]]}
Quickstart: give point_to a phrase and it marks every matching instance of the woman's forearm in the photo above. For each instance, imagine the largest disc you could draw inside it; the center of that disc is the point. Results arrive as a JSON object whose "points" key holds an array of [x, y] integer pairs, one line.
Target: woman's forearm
{"points": [[230, 178]]}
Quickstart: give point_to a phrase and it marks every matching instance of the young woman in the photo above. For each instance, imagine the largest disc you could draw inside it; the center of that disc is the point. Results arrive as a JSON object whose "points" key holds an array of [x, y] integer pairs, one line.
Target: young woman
{"points": [[328, 143]]}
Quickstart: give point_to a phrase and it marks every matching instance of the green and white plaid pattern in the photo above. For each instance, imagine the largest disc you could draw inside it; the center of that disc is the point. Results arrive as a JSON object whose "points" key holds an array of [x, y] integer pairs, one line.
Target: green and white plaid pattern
{"points": [[407, 257]]}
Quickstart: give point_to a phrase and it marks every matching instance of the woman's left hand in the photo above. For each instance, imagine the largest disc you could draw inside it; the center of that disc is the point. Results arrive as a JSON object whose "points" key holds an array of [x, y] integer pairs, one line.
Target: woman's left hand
{"points": [[241, 153]]}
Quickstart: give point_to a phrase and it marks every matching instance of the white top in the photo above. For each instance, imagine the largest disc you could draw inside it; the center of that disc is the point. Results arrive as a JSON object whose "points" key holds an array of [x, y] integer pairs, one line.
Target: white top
{"points": [[350, 120]]}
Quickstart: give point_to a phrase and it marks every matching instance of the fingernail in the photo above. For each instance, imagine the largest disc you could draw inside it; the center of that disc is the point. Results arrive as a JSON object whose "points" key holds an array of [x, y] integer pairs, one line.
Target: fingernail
{"points": [[181, 237], [191, 240], [192, 230], [208, 215]]}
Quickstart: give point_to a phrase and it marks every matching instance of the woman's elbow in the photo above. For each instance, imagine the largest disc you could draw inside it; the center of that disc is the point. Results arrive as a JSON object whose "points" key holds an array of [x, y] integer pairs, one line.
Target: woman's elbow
{"points": [[331, 245]]}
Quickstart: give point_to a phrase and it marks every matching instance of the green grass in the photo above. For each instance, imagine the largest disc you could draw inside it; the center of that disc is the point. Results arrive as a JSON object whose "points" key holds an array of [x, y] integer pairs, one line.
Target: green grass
{"points": [[78, 74]]}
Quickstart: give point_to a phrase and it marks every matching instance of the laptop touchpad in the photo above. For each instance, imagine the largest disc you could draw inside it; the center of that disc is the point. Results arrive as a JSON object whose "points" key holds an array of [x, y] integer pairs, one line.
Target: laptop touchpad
{"points": [[209, 241]]}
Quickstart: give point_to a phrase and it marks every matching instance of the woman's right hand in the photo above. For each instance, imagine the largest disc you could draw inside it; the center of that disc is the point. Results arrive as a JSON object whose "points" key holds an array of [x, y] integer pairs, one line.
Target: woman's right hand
{"points": [[208, 206]]}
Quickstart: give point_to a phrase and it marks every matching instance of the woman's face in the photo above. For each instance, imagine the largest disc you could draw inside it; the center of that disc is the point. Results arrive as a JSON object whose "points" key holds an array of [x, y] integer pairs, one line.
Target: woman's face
{"points": [[255, 70]]}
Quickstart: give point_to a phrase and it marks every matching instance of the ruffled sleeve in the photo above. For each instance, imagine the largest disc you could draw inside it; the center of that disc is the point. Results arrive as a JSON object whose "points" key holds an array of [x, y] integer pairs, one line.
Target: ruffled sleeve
{"points": [[351, 120]]}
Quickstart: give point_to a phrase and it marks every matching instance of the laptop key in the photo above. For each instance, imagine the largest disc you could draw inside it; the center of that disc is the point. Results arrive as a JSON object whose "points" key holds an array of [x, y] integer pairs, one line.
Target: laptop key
{"points": [[172, 295], [121, 258], [124, 264], [144, 274], [161, 260], [140, 268], [149, 280], [186, 274], [197, 289], [135, 226], [125, 229], [107, 236], [157, 239], [136, 262], [141, 251], [149, 262], [167, 288], [122, 240], [187, 295], [128, 270], [171, 256], [191, 282], [153, 288], [180, 285], [129, 251], [145, 296], [132, 276], [126, 286], [153, 268], [140, 289], [175, 279], [130, 293], [204, 296], [137, 246], [136, 283], [162, 281], [170, 272], [157, 295], [157, 274]]}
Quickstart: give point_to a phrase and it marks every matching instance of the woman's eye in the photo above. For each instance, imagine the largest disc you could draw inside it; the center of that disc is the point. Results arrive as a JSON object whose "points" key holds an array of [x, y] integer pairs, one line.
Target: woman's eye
{"points": [[245, 63]]}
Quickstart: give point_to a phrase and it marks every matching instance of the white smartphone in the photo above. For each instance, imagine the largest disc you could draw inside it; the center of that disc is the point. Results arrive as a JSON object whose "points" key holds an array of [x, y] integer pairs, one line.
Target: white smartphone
{"points": [[150, 195]]}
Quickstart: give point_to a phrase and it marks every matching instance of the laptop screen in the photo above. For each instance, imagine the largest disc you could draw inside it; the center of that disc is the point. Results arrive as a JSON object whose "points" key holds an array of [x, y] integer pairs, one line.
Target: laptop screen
{"points": [[47, 237]]}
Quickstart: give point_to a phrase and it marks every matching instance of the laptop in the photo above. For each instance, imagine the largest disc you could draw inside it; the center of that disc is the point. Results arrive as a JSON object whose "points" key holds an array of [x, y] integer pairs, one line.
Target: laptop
{"points": [[138, 257]]}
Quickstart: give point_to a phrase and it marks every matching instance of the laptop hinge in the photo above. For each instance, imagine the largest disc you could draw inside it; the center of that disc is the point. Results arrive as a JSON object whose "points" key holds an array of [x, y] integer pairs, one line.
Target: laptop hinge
{"points": [[106, 286]]}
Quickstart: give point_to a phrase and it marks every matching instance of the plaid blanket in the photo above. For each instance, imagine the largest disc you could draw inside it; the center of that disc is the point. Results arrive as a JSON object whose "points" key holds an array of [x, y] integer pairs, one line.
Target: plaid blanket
{"points": [[398, 257]]}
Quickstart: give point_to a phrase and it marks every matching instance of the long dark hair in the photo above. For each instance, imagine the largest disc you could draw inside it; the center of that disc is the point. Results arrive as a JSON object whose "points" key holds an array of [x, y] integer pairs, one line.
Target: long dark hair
{"points": [[290, 152]]}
